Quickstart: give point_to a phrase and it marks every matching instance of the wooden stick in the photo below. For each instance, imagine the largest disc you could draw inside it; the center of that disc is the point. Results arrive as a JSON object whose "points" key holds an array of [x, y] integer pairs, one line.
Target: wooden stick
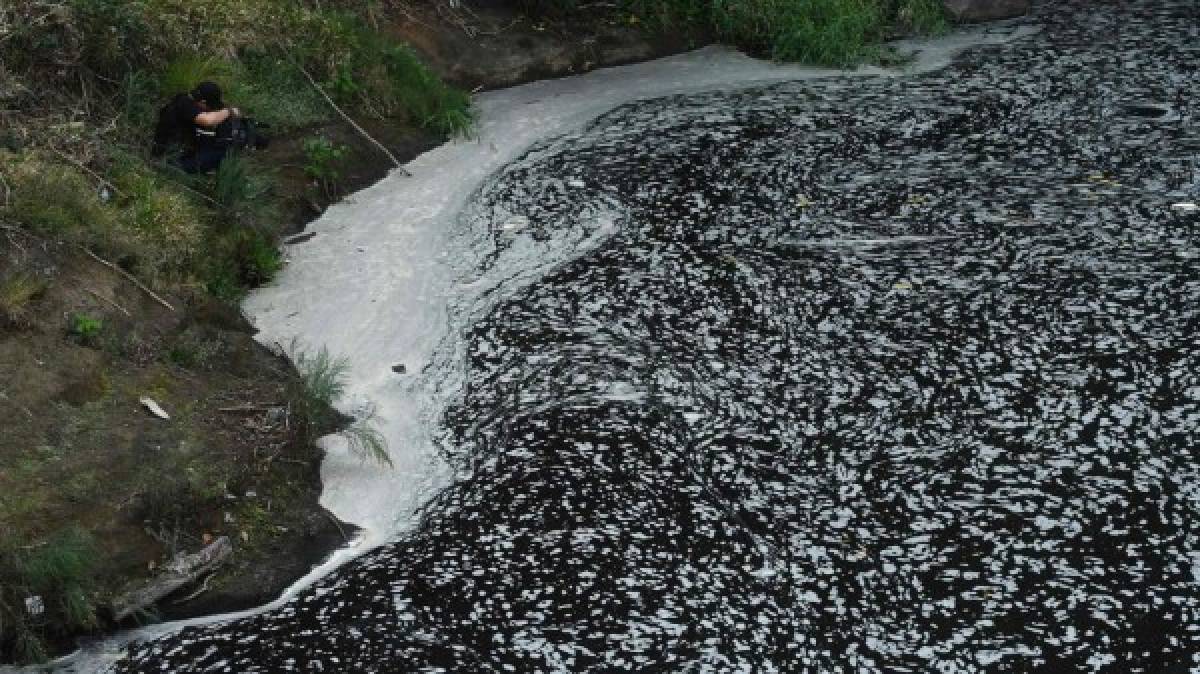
{"points": [[102, 297], [246, 408], [128, 276], [197, 593], [352, 123], [182, 570], [87, 170]]}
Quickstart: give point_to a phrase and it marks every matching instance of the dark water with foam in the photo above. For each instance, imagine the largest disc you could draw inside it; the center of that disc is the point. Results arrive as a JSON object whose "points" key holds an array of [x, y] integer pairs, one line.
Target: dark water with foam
{"points": [[874, 375]]}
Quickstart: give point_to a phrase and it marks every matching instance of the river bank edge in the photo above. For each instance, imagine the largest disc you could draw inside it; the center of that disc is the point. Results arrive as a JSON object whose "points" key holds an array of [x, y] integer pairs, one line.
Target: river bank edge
{"points": [[524, 51]]}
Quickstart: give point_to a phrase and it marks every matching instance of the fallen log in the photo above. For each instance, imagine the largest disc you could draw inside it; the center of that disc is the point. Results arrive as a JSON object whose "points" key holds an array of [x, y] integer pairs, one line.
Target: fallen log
{"points": [[180, 572]]}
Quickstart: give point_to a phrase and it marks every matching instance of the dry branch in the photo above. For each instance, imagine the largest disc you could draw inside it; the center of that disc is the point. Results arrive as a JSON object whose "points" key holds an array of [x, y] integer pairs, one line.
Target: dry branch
{"points": [[362, 132], [112, 302], [128, 276], [183, 570]]}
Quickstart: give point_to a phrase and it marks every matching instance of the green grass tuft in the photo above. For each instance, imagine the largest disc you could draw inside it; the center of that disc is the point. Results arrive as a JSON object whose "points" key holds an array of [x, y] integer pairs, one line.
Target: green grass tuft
{"points": [[231, 185], [17, 293], [923, 17], [86, 328], [365, 440], [184, 72], [45, 591], [840, 33], [271, 89], [322, 383], [429, 101]]}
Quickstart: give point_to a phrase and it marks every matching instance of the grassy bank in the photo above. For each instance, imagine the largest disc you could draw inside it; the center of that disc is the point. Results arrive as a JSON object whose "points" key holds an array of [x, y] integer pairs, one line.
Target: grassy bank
{"points": [[118, 276], [81, 83], [822, 32]]}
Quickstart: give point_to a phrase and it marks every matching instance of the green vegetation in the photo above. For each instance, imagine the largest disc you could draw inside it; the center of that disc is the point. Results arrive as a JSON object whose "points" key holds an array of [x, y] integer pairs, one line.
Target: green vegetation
{"points": [[823, 32], [86, 328], [365, 440], [82, 82], [16, 294], [193, 350], [101, 68], [322, 383], [46, 590], [322, 161]]}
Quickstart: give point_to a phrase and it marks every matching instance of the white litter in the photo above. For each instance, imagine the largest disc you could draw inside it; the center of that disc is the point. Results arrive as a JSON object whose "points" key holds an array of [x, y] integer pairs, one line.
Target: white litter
{"points": [[35, 606], [154, 408], [1185, 207]]}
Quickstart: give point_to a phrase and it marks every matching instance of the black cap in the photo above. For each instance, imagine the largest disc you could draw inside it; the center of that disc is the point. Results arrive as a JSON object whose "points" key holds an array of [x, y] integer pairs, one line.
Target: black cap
{"points": [[210, 93]]}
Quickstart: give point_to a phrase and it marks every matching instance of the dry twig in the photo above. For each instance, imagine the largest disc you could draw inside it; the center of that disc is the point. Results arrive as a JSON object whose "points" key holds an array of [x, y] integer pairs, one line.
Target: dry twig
{"points": [[241, 409], [128, 276], [362, 132], [197, 593], [87, 170], [112, 302]]}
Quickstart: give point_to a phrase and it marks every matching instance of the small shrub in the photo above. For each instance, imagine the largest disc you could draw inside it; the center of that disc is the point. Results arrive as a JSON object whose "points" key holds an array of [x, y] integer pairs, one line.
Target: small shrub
{"points": [[238, 257], [17, 292], [192, 351], [343, 87], [365, 440], [322, 163], [221, 280], [923, 17], [322, 382], [183, 74], [86, 328], [258, 258], [45, 591], [231, 186]]}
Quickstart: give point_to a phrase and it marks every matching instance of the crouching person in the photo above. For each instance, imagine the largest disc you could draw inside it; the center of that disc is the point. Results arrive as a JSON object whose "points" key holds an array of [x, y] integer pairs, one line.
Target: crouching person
{"points": [[193, 119]]}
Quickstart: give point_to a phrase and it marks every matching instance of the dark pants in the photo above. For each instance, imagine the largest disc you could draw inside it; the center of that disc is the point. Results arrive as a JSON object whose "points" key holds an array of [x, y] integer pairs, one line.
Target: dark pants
{"points": [[203, 160]]}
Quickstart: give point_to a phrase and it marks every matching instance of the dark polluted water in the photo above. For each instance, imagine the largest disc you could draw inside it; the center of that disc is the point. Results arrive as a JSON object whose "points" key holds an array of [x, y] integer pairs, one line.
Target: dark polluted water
{"points": [[873, 375]]}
